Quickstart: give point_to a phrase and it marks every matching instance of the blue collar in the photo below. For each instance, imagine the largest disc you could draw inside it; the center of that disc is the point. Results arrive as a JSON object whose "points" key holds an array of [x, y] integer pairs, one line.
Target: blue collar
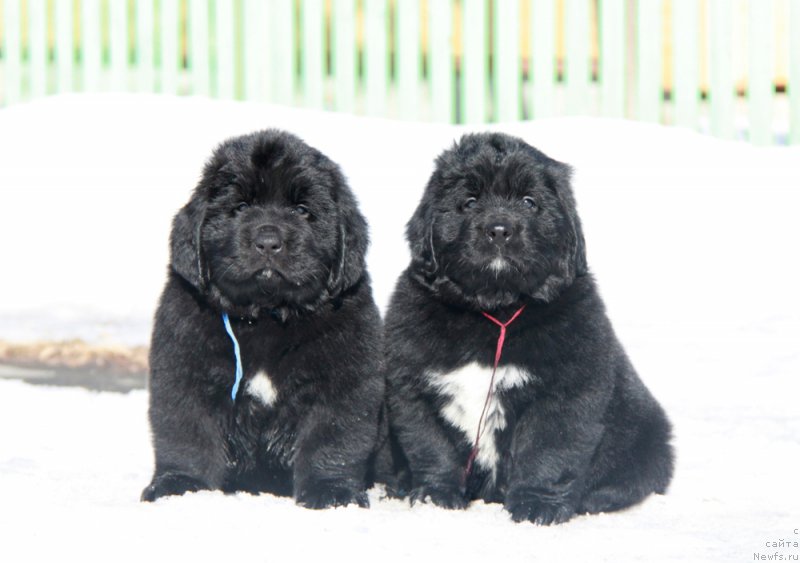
{"points": [[237, 353]]}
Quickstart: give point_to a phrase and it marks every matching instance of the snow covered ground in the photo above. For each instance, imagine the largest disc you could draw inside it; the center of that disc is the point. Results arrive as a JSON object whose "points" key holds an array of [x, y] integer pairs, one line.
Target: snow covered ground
{"points": [[693, 241]]}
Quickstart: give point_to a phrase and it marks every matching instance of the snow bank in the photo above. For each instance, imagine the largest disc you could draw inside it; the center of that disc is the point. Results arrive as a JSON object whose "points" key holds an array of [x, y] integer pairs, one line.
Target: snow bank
{"points": [[693, 242]]}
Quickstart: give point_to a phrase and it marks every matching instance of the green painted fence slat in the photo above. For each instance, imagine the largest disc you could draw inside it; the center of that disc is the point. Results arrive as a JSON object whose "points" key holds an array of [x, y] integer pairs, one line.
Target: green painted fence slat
{"points": [[91, 49], [65, 47], [576, 29], [794, 72], [407, 47], [759, 80], [343, 43], [118, 36], [721, 73], [226, 65], [649, 65], [199, 49], [282, 73], [145, 45], [543, 65], [169, 47], [686, 61], [440, 57], [508, 60], [375, 56], [612, 57], [256, 50], [37, 47], [474, 63], [312, 53], [12, 51]]}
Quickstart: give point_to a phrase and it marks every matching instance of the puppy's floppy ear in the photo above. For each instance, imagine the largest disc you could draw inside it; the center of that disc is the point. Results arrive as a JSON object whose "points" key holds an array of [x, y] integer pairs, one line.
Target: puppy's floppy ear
{"points": [[351, 244], [419, 233], [561, 174], [570, 262], [186, 254], [571, 256]]}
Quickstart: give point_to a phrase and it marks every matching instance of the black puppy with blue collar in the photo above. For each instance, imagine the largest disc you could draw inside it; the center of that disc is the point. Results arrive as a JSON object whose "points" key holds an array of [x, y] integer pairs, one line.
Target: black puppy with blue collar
{"points": [[264, 361]]}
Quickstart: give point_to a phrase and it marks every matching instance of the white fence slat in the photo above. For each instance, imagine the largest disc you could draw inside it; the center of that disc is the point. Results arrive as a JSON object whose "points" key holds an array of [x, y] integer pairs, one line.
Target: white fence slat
{"points": [[760, 89], [37, 47], [686, 62], [12, 51], [343, 42], [199, 48], [508, 60], [649, 65], [473, 61], [65, 46], [576, 29], [375, 56], [440, 57], [721, 72], [282, 74], [145, 45], [613, 23], [543, 55], [407, 47], [91, 48], [312, 52], [256, 50], [794, 71], [169, 46], [226, 64], [118, 36]]}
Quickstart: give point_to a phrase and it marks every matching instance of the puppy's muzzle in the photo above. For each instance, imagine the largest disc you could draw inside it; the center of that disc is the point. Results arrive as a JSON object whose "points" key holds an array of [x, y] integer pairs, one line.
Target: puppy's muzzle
{"points": [[267, 240]]}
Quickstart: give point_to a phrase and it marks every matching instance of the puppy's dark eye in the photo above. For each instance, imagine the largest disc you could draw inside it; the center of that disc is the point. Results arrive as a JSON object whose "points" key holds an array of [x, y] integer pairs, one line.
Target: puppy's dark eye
{"points": [[300, 210], [530, 203], [241, 207], [469, 203]]}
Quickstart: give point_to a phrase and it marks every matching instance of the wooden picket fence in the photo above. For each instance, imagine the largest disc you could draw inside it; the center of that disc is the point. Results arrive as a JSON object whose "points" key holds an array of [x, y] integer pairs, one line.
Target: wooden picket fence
{"points": [[459, 61]]}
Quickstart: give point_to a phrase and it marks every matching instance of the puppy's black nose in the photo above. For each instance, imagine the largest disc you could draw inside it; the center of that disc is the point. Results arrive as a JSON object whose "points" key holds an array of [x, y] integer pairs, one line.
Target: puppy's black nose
{"points": [[499, 232], [267, 240]]}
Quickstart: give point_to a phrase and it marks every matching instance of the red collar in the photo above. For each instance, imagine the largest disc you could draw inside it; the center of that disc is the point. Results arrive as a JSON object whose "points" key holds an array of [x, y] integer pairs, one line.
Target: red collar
{"points": [[502, 337], [498, 352]]}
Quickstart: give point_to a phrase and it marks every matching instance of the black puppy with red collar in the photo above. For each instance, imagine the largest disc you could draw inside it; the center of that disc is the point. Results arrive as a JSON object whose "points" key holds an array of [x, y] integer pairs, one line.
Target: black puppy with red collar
{"points": [[505, 379]]}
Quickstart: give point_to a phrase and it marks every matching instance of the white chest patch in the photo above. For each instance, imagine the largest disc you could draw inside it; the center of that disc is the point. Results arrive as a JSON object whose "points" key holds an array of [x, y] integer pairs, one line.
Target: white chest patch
{"points": [[467, 388], [260, 387]]}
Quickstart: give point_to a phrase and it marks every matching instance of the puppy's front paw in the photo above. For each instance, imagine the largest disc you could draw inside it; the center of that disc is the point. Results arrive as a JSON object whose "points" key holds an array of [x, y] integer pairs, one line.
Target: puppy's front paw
{"points": [[538, 506], [327, 495], [444, 496], [170, 483]]}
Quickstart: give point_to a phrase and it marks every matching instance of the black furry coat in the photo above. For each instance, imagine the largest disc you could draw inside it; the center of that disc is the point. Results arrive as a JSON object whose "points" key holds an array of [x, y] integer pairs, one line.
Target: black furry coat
{"points": [[272, 237], [568, 426]]}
